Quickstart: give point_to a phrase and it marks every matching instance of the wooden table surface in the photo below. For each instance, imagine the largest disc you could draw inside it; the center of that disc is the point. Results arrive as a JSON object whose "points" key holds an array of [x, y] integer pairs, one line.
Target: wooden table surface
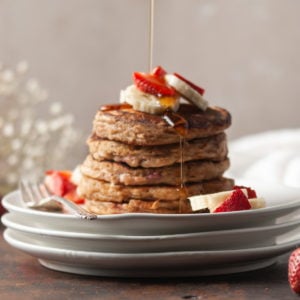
{"points": [[22, 277]]}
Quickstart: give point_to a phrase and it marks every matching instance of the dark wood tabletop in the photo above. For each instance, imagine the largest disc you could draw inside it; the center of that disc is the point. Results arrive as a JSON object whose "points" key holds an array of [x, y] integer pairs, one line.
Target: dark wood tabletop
{"points": [[22, 277]]}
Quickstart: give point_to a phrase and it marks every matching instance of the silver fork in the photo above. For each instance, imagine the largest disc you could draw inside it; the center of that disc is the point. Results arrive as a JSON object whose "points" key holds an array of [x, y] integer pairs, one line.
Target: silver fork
{"points": [[36, 195]]}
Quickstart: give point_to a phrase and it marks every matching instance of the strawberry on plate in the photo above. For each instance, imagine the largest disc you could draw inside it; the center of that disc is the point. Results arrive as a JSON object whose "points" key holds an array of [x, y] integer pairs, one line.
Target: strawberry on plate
{"points": [[2, 209], [251, 193], [234, 202], [152, 84], [59, 183], [73, 196], [294, 270]]}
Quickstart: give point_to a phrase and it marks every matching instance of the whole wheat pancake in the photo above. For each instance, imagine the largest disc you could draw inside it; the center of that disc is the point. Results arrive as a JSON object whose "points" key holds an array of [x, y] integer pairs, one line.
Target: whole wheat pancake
{"points": [[213, 147], [120, 173], [99, 190], [138, 206], [135, 127]]}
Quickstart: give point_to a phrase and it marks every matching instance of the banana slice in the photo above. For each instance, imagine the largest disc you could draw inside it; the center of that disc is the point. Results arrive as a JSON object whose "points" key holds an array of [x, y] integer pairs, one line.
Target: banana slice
{"points": [[146, 102], [210, 201], [186, 91], [257, 203]]}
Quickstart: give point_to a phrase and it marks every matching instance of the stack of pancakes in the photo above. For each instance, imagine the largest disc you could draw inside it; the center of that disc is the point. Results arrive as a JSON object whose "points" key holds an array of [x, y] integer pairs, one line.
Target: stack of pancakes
{"points": [[134, 162]]}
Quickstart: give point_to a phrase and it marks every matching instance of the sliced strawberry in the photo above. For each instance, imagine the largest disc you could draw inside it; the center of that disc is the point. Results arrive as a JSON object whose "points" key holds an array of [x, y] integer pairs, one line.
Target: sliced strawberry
{"points": [[159, 72], [73, 196], [2, 209], [235, 201], [55, 183], [251, 193], [199, 89], [58, 182], [294, 270], [152, 85]]}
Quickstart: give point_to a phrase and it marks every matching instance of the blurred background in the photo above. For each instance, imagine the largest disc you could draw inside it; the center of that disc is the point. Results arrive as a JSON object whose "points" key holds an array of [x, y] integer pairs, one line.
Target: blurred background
{"points": [[245, 53]]}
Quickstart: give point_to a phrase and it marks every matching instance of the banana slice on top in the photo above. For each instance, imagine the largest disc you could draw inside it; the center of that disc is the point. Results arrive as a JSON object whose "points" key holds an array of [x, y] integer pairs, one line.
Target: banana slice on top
{"points": [[186, 90], [148, 103]]}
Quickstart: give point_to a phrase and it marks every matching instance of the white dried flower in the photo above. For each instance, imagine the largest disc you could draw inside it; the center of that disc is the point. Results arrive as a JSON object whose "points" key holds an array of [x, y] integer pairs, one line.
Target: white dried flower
{"points": [[12, 178], [41, 126], [8, 130], [13, 159], [16, 144], [30, 144], [7, 76], [55, 108], [22, 67], [32, 85]]}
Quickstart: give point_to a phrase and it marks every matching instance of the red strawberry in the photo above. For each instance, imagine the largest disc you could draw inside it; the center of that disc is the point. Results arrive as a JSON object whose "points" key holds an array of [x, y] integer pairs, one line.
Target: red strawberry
{"points": [[73, 196], [2, 209], [294, 270], [159, 72], [152, 85], [235, 201], [59, 182], [199, 89], [251, 192]]}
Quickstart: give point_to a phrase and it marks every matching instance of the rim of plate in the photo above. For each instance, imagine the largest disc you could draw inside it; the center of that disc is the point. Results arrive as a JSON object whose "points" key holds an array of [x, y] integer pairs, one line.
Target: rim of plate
{"points": [[21, 209], [14, 240], [68, 234]]}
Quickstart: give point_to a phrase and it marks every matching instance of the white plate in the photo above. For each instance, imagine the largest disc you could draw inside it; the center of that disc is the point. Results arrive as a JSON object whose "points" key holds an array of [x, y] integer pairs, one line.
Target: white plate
{"points": [[281, 202], [211, 240], [166, 264]]}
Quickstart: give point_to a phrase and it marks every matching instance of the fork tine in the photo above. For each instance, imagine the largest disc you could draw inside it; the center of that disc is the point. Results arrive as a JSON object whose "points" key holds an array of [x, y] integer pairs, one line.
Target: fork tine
{"points": [[44, 190], [37, 196], [36, 191], [26, 193]]}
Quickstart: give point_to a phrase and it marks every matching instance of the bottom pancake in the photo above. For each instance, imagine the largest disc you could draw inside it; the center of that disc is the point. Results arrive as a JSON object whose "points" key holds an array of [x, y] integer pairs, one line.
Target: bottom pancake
{"points": [[94, 189]]}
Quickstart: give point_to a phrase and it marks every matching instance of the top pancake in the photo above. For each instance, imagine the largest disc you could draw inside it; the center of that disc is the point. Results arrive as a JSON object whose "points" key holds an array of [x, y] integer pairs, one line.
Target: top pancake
{"points": [[138, 128]]}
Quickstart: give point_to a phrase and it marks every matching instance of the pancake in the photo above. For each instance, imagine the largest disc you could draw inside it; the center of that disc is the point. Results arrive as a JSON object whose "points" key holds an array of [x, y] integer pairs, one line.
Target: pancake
{"points": [[138, 206], [99, 190], [120, 173], [138, 128], [213, 147]]}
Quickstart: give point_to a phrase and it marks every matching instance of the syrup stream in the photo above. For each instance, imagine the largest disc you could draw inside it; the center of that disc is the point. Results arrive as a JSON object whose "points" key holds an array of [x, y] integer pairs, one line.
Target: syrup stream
{"points": [[174, 120], [180, 125], [151, 35]]}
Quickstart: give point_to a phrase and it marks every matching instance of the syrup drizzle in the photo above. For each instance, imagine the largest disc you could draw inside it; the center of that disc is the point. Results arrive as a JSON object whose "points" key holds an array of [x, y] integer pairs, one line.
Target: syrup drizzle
{"points": [[180, 124], [176, 121], [151, 35], [115, 107]]}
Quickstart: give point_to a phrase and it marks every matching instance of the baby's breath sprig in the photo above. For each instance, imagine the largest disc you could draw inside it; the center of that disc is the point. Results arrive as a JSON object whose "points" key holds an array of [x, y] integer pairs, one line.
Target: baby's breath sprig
{"points": [[31, 142]]}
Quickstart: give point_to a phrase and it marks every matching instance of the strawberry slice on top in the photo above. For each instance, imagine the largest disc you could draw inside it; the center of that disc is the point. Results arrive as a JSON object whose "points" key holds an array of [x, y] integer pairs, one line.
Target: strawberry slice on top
{"points": [[152, 84], [235, 201], [159, 72], [197, 88]]}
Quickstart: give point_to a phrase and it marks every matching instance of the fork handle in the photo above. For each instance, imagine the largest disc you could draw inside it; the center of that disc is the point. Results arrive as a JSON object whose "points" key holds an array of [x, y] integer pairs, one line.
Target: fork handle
{"points": [[74, 207]]}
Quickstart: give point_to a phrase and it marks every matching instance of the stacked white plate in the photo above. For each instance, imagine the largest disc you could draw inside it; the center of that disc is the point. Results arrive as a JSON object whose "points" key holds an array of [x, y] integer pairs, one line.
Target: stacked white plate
{"points": [[153, 245]]}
